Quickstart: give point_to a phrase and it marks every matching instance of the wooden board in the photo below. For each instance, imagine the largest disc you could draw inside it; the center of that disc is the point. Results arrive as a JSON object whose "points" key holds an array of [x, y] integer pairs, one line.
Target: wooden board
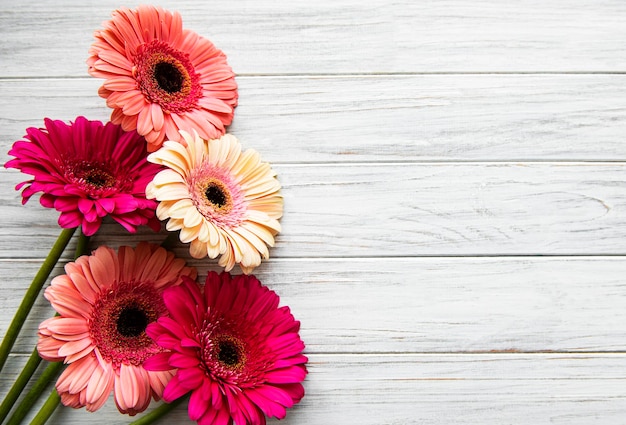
{"points": [[423, 305], [346, 36], [384, 118], [454, 178]]}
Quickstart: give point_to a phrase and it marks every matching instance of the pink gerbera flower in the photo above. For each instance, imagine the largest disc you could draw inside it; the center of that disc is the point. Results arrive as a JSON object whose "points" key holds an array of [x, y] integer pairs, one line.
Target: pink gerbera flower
{"points": [[87, 170], [238, 354], [105, 301], [161, 78]]}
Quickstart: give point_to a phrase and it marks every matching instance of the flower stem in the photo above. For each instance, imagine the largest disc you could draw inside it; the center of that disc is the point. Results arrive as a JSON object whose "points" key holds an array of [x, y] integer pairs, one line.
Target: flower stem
{"points": [[32, 293], [158, 413], [47, 409], [29, 368], [49, 373]]}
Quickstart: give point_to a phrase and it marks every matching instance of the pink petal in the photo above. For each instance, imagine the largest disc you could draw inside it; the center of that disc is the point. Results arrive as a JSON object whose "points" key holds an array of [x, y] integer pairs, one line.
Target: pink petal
{"points": [[173, 390], [197, 406], [184, 361], [158, 362]]}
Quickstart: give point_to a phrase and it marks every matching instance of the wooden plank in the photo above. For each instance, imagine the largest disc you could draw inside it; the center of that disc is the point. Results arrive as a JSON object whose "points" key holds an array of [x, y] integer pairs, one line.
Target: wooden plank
{"points": [[374, 210], [384, 118], [440, 389], [347, 36], [424, 304]]}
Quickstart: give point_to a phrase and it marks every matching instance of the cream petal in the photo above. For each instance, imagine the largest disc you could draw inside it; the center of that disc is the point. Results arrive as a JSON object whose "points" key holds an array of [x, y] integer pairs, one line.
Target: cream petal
{"points": [[260, 231], [193, 218], [171, 192], [167, 177], [177, 209], [173, 155], [198, 249], [188, 234], [174, 224]]}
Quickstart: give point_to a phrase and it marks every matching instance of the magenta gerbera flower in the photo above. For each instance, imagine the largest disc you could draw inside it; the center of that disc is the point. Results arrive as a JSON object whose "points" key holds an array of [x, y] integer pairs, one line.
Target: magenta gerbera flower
{"points": [[236, 351], [105, 301], [161, 78], [87, 170]]}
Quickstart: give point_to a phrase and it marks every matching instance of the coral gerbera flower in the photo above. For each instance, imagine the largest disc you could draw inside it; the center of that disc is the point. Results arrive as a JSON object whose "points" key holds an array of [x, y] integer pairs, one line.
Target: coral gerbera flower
{"points": [[105, 302], [87, 170], [160, 78], [236, 351], [224, 201]]}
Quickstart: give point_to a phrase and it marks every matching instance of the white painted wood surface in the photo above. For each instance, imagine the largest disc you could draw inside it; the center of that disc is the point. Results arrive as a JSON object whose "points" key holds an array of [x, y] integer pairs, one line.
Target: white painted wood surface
{"points": [[455, 195]]}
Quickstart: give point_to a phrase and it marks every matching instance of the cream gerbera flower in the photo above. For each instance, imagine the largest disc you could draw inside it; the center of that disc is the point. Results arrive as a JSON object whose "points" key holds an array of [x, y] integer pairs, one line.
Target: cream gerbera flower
{"points": [[224, 201]]}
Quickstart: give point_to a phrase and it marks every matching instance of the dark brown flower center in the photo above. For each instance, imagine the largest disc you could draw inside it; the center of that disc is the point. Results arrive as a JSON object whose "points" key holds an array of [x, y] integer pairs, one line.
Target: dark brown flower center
{"points": [[215, 195], [168, 77], [229, 352], [119, 319], [132, 321], [218, 196], [98, 178]]}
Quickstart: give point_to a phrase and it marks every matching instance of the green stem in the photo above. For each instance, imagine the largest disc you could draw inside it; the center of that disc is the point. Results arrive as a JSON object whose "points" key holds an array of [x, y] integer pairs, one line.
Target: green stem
{"points": [[158, 413], [47, 409], [32, 293], [49, 373], [20, 383]]}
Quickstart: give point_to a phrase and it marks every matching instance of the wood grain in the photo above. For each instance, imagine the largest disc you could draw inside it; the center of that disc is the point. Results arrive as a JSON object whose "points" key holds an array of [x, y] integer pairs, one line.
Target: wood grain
{"points": [[384, 118], [454, 232], [388, 210], [423, 305], [442, 389], [346, 36]]}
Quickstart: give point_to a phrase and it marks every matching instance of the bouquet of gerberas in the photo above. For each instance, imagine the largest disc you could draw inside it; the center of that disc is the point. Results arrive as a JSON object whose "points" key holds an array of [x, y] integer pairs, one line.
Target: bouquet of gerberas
{"points": [[134, 321]]}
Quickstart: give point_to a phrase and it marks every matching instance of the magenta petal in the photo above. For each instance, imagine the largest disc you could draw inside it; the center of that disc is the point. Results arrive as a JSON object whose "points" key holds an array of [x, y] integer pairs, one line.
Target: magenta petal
{"points": [[191, 378], [268, 406], [197, 406], [286, 376], [183, 361], [74, 164], [46, 201], [66, 204], [69, 220], [90, 228], [275, 394], [173, 390], [107, 204], [189, 343], [85, 205], [158, 362]]}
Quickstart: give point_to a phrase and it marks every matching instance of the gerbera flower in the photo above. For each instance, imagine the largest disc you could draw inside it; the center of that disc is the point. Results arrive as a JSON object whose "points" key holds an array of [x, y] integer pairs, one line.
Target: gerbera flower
{"points": [[236, 351], [86, 171], [161, 78], [224, 201], [105, 301]]}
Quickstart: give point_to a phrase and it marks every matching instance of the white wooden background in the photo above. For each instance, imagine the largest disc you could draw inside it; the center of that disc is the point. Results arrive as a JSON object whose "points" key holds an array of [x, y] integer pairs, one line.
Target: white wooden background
{"points": [[455, 195]]}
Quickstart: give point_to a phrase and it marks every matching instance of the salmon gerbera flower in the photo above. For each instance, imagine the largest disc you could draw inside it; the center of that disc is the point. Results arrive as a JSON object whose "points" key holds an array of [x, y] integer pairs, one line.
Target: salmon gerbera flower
{"points": [[224, 201], [105, 302], [161, 78], [86, 171], [235, 350]]}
